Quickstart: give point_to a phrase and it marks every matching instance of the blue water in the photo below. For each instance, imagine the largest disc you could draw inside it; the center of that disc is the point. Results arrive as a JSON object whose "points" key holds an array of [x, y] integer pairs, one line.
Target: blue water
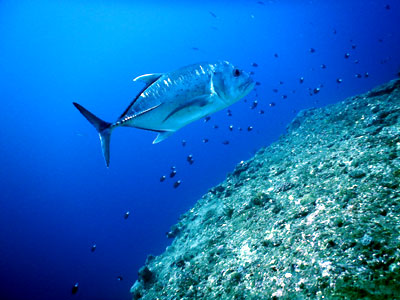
{"points": [[57, 197]]}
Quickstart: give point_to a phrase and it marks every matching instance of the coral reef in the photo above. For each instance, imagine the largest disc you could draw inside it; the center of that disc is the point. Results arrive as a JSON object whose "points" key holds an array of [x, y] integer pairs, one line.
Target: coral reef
{"points": [[315, 215]]}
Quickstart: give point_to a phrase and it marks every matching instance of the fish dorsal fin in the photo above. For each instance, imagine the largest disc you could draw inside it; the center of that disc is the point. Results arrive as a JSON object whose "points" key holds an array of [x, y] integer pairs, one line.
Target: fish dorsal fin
{"points": [[162, 136], [148, 78]]}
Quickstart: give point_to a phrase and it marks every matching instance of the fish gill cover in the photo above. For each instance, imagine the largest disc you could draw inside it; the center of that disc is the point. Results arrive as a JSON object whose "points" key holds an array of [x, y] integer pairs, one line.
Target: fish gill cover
{"points": [[72, 229]]}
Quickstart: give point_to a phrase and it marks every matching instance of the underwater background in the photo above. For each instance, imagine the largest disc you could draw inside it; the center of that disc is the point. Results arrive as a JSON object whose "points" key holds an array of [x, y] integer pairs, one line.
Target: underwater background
{"points": [[57, 197]]}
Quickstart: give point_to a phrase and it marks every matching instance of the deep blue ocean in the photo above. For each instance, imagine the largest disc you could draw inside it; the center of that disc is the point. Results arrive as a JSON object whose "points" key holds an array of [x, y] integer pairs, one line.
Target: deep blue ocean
{"points": [[58, 199]]}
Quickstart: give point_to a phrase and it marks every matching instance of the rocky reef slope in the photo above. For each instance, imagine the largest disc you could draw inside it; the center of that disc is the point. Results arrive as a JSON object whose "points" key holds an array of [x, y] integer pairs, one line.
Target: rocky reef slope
{"points": [[316, 215]]}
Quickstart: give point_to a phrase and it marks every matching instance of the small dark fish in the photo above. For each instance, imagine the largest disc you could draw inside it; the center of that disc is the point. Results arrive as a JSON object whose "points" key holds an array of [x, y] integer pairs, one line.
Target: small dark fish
{"points": [[261, 112], [206, 119], [260, 2], [358, 75], [275, 90], [75, 288], [162, 178], [251, 73], [347, 55], [272, 104], [126, 216], [195, 49], [230, 127], [93, 248], [356, 61], [316, 90], [301, 79], [226, 142], [171, 234], [258, 83], [120, 278], [354, 46], [323, 66], [183, 143], [284, 96], [387, 6], [366, 75], [281, 82], [177, 183], [250, 128], [312, 50], [212, 14], [205, 141], [255, 65], [190, 159], [380, 40], [229, 113], [172, 174], [339, 80], [254, 105], [240, 129], [215, 126], [276, 55]]}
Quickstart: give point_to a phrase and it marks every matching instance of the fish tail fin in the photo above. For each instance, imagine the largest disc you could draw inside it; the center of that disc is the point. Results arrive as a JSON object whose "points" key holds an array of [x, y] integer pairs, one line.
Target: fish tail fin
{"points": [[103, 128]]}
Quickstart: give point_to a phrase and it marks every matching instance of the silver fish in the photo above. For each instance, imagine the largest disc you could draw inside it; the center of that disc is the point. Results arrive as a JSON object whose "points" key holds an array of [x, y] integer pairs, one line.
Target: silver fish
{"points": [[172, 100]]}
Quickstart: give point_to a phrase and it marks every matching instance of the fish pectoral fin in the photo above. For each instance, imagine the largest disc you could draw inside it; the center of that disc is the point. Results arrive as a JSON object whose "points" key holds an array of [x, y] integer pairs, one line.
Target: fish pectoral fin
{"points": [[201, 101], [162, 136], [198, 101], [148, 78]]}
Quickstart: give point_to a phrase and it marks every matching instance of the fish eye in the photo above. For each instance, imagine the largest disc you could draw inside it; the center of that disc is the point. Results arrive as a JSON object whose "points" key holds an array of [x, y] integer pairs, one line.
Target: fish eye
{"points": [[236, 72]]}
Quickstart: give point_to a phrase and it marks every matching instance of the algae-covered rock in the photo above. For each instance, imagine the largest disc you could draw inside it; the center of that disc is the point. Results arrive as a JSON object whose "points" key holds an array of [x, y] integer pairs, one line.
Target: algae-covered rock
{"points": [[316, 215]]}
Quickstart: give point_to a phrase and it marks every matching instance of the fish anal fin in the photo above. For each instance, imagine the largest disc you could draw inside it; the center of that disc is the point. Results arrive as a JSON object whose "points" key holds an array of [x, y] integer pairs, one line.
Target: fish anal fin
{"points": [[162, 136], [148, 78]]}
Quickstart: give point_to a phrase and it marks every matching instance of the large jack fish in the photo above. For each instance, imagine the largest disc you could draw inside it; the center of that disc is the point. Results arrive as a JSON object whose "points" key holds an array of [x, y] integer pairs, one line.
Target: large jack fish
{"points": [[172, 100]]}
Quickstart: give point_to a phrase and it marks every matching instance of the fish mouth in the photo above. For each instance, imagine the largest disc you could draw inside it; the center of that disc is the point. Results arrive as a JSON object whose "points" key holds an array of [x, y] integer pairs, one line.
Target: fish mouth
{"points": [[247, 87]]}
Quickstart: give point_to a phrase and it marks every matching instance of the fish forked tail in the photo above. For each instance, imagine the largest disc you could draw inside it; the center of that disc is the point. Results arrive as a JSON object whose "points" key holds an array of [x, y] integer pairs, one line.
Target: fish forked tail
{"points": [[103, 128]]}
